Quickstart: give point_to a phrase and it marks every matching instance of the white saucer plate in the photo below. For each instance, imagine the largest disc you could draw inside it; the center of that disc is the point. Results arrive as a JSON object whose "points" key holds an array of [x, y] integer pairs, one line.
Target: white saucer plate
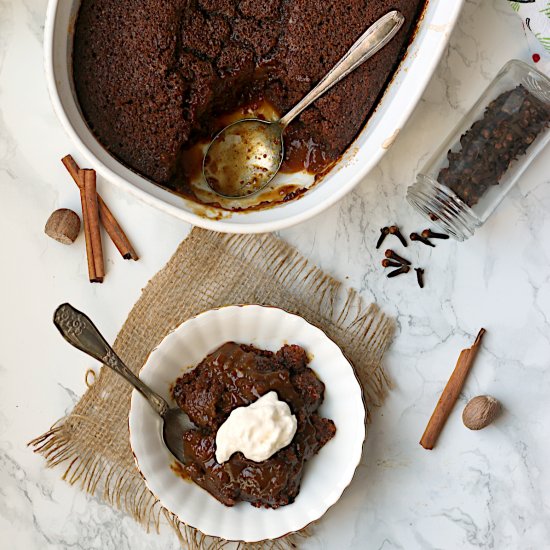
{"points": [[326, 475]]}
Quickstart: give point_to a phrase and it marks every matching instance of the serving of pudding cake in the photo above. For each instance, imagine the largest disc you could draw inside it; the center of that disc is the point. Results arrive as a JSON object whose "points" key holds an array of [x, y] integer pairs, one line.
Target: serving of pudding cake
{"points": [[227, 381]]}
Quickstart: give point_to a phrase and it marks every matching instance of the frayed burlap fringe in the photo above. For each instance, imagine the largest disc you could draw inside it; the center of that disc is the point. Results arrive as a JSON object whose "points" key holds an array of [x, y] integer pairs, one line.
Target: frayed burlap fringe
{"points": [[207, 270]]}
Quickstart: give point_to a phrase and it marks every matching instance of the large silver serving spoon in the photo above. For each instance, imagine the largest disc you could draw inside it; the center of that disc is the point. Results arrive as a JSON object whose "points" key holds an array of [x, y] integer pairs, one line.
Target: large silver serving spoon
{"points": [[81, 333], [245, 156]]}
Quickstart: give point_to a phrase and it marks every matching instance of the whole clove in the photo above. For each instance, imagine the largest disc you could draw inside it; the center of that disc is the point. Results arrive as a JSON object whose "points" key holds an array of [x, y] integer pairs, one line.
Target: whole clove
{"points": [[420, 276], [389, 263], [394, 230], [384, 232], [400, 271], [390, 254], [429, 234], [420, 238]]}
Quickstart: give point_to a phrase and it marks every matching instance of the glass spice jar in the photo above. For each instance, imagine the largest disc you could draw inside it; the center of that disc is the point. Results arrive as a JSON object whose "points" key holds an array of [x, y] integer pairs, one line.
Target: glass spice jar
{"points": [[484, 156]]}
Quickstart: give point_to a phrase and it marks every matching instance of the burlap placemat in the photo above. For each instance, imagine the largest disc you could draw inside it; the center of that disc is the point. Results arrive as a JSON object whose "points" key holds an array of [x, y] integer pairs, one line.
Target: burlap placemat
{"points": [[207, 270]]}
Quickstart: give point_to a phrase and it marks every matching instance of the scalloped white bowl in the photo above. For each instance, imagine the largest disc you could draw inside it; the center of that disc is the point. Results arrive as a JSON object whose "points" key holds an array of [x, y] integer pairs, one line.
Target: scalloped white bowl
{"points": [[374, 140], [326, 475]]}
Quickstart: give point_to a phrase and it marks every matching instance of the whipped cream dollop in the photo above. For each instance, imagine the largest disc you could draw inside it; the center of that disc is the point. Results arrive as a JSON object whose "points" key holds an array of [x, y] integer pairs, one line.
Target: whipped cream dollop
{"points": [[258, 430]]}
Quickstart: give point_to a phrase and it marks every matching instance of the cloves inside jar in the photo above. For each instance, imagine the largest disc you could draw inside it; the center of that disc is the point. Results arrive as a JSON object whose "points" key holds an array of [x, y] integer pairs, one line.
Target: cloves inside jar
{"points": [[480, 161]]}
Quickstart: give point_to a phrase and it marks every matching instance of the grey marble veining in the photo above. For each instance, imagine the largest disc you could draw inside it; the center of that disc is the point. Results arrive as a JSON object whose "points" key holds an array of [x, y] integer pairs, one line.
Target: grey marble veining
{"points": [[486, 489]]}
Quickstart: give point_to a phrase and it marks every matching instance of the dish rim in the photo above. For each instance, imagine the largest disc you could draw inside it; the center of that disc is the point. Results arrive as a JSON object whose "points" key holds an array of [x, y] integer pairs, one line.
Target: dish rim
{"points": [[415, 89]]}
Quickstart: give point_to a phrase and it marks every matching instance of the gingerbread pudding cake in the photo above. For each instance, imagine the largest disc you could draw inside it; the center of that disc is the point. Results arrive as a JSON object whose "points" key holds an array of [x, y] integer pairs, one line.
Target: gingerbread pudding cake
{"points": [[234, 376], [155, 78]]}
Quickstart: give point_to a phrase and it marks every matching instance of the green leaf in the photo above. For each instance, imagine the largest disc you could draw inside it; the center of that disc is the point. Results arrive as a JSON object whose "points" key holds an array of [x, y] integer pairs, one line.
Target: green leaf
{"points": [[544, 40]]}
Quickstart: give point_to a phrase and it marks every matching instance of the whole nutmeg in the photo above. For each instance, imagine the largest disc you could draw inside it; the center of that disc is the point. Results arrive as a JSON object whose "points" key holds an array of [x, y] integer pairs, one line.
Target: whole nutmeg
{"points": [[480, 411], [63, 226]]}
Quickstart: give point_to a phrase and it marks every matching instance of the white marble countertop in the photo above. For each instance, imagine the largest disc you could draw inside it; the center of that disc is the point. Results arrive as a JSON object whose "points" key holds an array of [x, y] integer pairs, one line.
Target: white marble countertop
{"points": [[486, 489]]}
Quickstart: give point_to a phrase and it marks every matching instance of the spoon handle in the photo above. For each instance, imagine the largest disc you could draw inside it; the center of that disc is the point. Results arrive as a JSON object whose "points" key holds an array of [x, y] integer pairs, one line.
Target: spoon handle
{"points": [[372, 40], [81, 333]]}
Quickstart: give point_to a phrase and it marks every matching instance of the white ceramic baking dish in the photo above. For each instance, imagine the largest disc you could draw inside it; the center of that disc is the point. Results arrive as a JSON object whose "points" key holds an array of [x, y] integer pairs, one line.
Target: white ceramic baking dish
{"points": [[376, 137]]}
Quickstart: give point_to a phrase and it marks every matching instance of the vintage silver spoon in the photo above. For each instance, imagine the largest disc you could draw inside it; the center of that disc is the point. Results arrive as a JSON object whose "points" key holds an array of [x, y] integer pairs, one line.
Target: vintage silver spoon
{"points": [[245, 156], [81, 333]]}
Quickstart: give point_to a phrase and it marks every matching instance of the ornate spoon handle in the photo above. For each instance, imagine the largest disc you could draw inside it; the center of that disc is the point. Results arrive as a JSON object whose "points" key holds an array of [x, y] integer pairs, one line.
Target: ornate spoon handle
{"points": [[78, 329]]}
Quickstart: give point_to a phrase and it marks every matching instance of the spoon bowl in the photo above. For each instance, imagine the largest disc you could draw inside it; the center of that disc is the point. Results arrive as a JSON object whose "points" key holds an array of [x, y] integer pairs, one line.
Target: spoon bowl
{"points": [[245, 156], [78, 329]]}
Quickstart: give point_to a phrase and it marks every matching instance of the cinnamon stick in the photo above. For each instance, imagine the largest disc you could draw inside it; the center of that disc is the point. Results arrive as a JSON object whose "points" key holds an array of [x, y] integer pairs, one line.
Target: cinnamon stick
{"points": [[111, 225], [450, 393], [88, 237], [88, 177], [119, 238]]}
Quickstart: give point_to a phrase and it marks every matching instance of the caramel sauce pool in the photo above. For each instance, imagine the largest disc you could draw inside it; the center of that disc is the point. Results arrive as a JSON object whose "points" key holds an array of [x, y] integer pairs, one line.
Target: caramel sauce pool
{"points": [[300, 155], [177, 468]]}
